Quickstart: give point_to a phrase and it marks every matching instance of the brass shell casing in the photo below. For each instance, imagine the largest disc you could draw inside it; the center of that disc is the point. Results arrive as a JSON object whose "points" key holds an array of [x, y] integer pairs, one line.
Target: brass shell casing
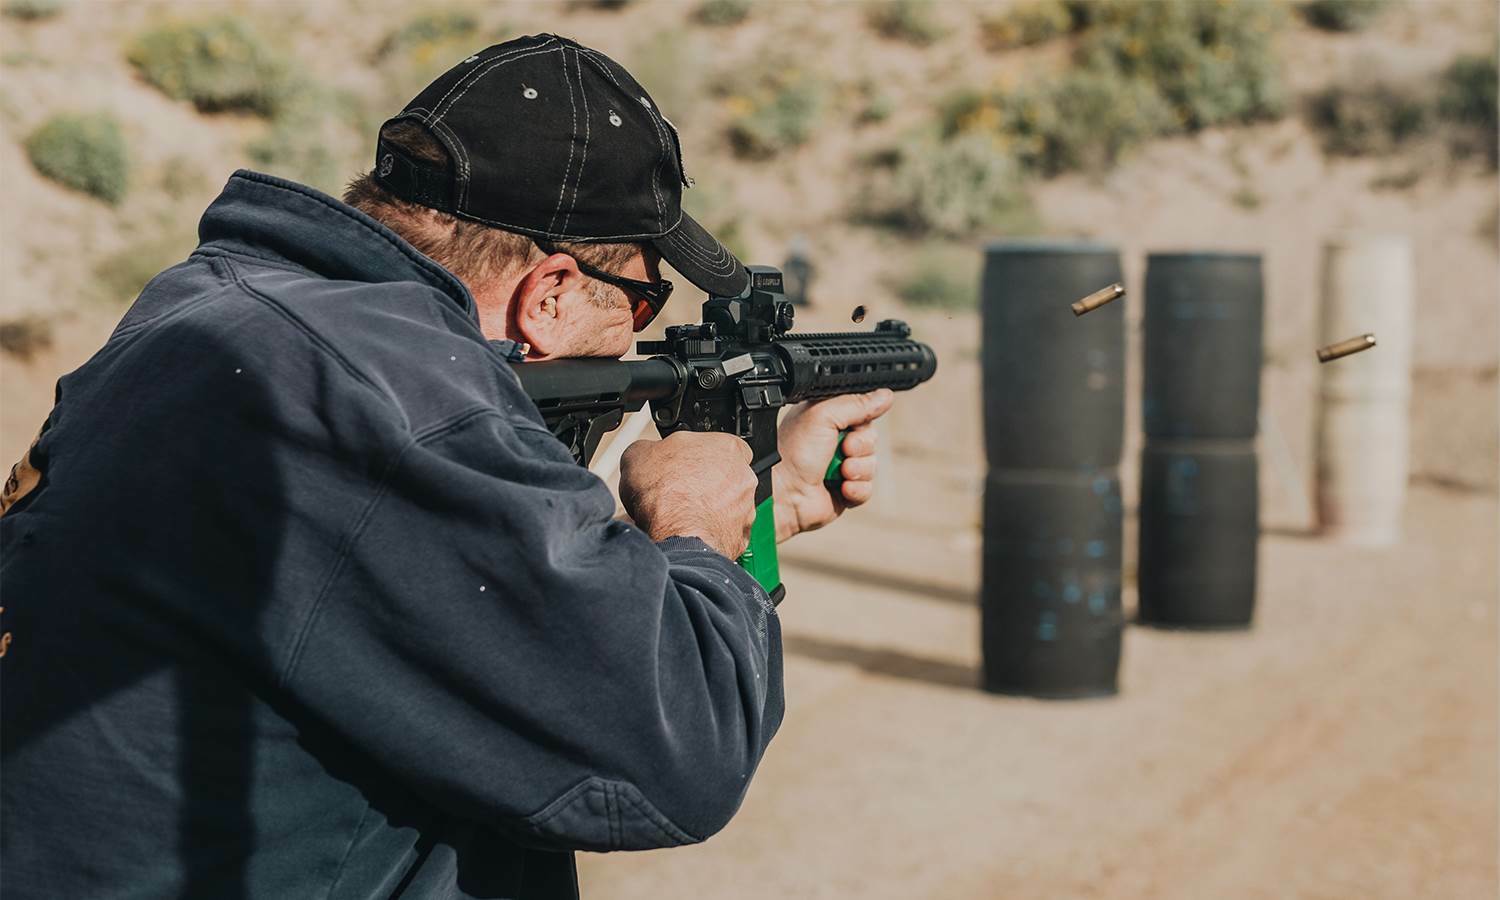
{"points": [[1097, 299], [1344, 348]]}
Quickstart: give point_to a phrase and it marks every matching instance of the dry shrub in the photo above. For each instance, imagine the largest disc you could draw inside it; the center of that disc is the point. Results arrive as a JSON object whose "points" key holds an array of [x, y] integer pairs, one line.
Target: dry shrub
{"points": [[85, 152], [216, 64]]}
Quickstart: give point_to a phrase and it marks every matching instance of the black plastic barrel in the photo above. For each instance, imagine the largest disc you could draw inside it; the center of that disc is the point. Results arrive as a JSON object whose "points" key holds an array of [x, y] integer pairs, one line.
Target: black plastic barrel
{"points": [[1051, 583], [1202, 345], [1199, 527], [1054, 383]]}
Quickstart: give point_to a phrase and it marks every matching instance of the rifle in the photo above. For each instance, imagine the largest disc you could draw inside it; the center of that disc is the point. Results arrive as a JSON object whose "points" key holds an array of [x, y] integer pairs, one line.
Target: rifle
{"points": [[733, 373]]}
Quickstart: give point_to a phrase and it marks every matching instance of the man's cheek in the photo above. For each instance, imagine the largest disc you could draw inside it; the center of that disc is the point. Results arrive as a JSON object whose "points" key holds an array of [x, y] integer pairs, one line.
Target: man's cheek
{"points": [[622, 336]]}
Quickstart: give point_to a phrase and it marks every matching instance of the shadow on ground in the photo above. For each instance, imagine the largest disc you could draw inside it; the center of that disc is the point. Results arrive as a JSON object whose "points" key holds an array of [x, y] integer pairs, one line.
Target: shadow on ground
{"points": [[885, 581], [884, 661]]}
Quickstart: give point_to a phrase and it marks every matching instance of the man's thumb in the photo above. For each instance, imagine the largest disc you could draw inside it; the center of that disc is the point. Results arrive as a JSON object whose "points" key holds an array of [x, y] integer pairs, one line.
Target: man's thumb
{"points": [[850, 410]]}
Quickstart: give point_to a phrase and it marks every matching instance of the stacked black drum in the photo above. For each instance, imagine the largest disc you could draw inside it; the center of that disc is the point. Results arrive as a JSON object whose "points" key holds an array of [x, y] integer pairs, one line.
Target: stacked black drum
{"points": [[1199, 507], [1054, 408]]}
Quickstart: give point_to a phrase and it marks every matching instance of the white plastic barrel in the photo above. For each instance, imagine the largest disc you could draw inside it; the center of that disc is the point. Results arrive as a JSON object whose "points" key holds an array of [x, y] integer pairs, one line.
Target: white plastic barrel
{"points": [[1363, 429]]}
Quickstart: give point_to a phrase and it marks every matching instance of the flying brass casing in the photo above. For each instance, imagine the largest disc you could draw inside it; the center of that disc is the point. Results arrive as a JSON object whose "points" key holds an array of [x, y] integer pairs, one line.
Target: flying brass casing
{"points": [[1345, 348], [1097, 299]]}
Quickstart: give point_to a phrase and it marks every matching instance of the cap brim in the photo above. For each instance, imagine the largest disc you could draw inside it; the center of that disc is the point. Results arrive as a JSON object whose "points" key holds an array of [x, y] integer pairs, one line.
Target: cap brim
{"points": [[700, 258]]}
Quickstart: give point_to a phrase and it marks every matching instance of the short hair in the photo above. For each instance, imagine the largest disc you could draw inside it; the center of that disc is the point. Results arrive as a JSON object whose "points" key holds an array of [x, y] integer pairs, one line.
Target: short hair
{"points": [[475, 252]]}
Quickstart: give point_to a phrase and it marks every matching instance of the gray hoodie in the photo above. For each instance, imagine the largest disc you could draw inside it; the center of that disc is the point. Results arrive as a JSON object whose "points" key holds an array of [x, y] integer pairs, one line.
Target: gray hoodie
{"points": [[308, 602]]}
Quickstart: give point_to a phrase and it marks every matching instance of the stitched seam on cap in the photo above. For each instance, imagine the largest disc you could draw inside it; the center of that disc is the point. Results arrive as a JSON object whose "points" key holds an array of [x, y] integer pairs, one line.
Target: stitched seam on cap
{"points": [[464, 169], [717, 258], [587, 133], [721, 263], [660, 207], [572, 105], [696, 257], [471, 77], [718, 263], [454, 102]]}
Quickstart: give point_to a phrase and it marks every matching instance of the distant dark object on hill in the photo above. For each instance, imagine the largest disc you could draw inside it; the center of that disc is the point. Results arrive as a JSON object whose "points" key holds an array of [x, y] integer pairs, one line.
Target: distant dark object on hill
{"points": [[1341, 15], [25, 336]]}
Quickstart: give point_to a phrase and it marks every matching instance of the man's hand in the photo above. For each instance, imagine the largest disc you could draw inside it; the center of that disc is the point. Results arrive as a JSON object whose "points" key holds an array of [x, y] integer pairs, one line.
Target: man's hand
{"points": [[691, 485], [807, 439]]}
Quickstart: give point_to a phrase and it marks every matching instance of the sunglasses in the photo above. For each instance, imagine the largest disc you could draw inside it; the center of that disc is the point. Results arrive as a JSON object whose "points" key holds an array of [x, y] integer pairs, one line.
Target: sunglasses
{"points": [[647, 297]]}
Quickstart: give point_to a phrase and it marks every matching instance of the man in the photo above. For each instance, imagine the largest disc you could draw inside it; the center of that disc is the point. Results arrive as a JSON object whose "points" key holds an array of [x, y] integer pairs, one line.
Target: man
{"points": [[306, 602]]}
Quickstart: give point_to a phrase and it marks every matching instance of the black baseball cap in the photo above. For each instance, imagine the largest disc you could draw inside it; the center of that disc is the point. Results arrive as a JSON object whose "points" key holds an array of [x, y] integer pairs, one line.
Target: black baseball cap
{"points": [[551, 139]]}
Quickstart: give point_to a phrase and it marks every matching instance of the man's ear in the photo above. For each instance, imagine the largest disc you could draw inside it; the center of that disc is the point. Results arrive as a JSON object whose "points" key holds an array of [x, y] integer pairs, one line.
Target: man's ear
{"points": [[535, 305]]}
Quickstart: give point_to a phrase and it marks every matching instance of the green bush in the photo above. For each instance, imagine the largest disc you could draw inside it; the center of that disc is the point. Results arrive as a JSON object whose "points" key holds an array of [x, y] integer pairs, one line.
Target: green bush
{"points": [[1027, 23], [1145, 69], [83, 152], [943, 277], [1467, 99], [1212, 62], [723, 12], [31, 10], [1367, 117], [1341, 15], [777, 113], [217, 64], [954, 187], [1084, 119], [25, 336], [913, 21]]}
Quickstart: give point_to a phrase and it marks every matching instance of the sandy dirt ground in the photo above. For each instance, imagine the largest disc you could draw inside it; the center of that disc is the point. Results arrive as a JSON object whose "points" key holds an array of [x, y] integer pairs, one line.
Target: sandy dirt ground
{"points": [[1344, 747]]}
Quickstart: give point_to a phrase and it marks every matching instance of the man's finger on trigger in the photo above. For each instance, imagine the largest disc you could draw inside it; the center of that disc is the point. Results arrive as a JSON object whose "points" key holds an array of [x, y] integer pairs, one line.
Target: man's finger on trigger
{"points": [[858, 468], [857, 492], [860, 441]]}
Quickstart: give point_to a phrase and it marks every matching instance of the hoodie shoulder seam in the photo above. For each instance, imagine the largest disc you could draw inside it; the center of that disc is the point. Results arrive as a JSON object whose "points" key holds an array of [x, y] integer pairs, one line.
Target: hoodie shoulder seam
{"points": [[316, 339]]}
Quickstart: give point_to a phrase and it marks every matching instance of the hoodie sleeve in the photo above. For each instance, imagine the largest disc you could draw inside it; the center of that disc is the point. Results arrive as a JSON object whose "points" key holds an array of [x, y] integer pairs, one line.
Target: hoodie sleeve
{"points": [[496, 640]]}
